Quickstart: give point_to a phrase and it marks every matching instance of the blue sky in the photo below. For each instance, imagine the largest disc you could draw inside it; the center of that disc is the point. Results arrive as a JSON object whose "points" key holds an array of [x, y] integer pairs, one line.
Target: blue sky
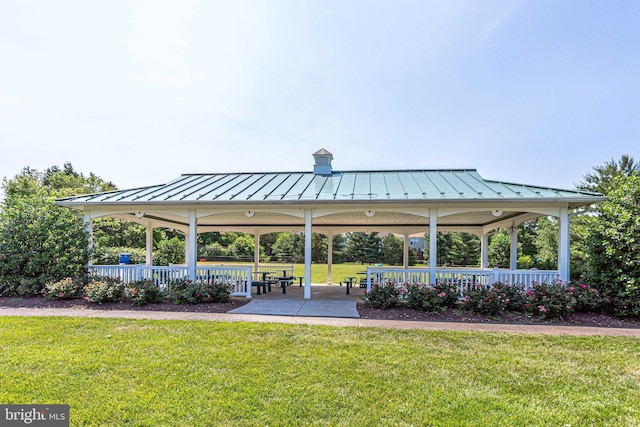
{"points": [[534, 92]]}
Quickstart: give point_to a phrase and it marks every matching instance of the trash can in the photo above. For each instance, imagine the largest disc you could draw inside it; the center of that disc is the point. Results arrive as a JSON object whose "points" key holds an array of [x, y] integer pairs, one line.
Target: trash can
{"points": [[125, 259]]}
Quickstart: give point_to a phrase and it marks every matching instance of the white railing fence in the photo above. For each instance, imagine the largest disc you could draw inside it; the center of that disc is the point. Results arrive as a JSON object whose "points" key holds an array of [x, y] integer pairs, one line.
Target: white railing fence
{"points": [[239, 278], [463, 278]]}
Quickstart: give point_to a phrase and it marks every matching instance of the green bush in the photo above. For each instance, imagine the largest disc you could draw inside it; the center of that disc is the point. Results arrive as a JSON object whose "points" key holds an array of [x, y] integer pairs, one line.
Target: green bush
{"points": [[382, 296], [63, 289], [185, 291], [143, 292], [432, 299], [549, 301], [169, 251], [21, 286], [39, 243], [614, 264], [585, 298], [104, 289]]}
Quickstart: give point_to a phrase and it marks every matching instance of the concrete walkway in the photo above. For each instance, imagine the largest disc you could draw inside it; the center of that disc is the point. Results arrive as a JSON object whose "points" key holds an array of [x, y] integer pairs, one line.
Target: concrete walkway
{"points": [[298, 307], [327, 321]]}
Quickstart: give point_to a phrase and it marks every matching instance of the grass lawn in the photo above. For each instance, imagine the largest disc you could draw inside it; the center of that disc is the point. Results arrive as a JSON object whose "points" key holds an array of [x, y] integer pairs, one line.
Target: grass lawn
{"points": [[178, 373], [318, 271]]}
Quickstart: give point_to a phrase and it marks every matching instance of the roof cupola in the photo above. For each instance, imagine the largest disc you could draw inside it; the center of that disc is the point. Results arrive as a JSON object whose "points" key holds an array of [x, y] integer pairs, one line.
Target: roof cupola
{"points": [[322, 165]]}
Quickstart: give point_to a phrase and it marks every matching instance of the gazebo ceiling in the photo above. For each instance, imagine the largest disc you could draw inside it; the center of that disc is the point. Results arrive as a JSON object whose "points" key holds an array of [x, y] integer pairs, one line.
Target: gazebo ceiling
{"points": [[393, 200]]}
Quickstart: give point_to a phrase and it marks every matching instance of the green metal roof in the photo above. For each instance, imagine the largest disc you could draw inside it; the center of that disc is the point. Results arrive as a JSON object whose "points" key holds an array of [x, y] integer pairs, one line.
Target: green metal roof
{"points": [[391, 185]]}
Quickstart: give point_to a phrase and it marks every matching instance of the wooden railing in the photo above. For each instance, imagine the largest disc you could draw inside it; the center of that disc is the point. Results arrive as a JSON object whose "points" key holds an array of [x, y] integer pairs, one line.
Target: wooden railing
{"points": [[237, 277], [462, 278]]}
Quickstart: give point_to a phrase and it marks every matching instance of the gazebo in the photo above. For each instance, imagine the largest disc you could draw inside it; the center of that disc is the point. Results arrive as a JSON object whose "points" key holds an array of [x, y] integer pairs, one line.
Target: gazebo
{"points": [[329, 201]]}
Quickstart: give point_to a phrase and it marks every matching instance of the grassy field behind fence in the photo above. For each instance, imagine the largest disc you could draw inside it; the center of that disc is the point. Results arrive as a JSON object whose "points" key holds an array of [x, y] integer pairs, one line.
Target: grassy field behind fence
{"points": [[318, 271], [185, 373]]}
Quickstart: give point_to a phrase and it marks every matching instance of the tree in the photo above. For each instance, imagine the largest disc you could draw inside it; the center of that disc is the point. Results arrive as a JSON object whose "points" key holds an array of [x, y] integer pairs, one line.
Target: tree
{"points": [[39, 242], [391, 250], [614, 265], [500, 249], [363, 247], [603, 178]]}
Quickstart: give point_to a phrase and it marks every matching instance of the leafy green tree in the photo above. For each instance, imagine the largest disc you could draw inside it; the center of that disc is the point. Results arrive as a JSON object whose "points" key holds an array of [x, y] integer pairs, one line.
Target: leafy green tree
{"points": [[169, 251], [243, 245], [289, 247], [39, 242], [603, 178], [500, 249], [614, 265]]}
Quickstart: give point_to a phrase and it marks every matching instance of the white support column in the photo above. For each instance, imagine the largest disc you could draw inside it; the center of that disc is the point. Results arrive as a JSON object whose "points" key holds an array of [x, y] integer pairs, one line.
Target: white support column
{"points": [[149, 245], [186, 248], [564, 254], [433, 247], [256, 250], [87, 223], [484, 251], [307, 253], [329, 258], [405, 252], [514, 248], [192, 243]]}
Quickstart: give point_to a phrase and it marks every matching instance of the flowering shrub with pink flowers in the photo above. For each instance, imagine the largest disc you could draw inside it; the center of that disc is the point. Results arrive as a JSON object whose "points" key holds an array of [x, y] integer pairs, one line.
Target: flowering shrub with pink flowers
{"points": [[383, 295], [104, 289], [549, 301], [63, 289], [185, 291], [432, 299], [546, 301], [586, 298], [143, 292]]}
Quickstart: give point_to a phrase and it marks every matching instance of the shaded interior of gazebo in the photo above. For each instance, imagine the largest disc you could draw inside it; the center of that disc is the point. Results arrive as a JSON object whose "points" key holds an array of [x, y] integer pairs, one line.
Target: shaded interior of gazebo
{"points": [[330, 202]]}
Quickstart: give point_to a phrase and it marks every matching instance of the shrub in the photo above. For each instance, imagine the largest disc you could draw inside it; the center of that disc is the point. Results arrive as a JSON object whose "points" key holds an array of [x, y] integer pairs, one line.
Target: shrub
{"points": [[382, 296], [614, 264], [513, 297], [549, 301], [431, 299], [104, 289], [143, 292], [482, 300], [21, 286], [585, 298], [185, 291], [63, 289]]}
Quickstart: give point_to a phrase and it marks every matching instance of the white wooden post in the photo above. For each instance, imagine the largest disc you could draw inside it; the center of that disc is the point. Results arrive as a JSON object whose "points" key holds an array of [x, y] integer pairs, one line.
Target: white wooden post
{"points": [[329, 257], [433, 247], [514, 248], [87, 223], [192, 243], [564, 253], [307, 253], [186, 248], [484, 251], [405, 253], [256, 250], [149, 244]]}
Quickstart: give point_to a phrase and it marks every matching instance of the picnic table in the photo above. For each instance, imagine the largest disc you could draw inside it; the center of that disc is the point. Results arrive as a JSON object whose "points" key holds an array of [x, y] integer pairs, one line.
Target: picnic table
{"points": [[349, 282]]}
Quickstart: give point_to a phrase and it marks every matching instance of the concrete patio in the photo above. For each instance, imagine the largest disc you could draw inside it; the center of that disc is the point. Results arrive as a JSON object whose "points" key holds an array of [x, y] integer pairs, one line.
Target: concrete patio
{"points": [[328, 301]]}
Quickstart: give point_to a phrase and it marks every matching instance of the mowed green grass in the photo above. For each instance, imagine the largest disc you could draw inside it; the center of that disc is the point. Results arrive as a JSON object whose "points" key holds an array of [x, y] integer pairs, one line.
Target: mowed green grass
{"points": [[319, 272], [118, 372]]}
